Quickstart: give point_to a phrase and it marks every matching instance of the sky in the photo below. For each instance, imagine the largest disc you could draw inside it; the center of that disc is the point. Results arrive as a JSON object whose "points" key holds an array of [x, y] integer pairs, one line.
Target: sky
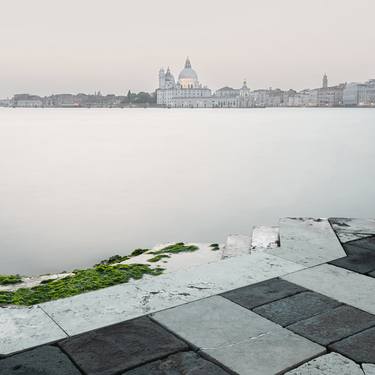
{"points": [[49, 46]]}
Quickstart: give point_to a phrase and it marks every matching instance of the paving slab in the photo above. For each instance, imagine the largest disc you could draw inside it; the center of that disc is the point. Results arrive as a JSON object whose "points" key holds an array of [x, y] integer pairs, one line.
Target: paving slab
{"points": [[359, 347], [368, 369], [350, 229], [360, 263], [334, 325], [295, 308], [127, 301], [338, 283], [236, 244], [45, 360], [308, 241], [122, 346], [264, 292], [187, 363], [329, 364], [264, 238], [365, 243], [25, 328], [238, 338]]}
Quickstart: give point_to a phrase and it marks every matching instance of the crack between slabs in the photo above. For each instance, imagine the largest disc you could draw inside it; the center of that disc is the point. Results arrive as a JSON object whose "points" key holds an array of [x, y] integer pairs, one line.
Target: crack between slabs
{"points": [[67, 334]]}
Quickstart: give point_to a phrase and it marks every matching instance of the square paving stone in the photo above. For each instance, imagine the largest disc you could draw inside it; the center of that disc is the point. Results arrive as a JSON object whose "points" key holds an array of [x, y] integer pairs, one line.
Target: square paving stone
{"points": [[264, 292], [360, 263], [45, 360], [368, 368], [359, 347], [295, 308], [241, 340], [187, 363], [122, 346], [334, 325]]}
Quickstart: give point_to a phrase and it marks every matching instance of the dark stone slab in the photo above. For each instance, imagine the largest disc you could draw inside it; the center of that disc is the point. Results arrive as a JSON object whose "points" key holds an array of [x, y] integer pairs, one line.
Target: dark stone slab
{"points": [[46, 360], [359, 347], [361, 263], [295, 308], [186, 363], [364, 243], [334, 325], [355, 250], [122, 346], [261, 293]]}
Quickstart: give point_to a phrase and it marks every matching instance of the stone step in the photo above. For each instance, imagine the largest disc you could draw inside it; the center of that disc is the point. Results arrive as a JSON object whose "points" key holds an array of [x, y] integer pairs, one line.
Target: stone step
{"points": [[308, 241], [265, 238], [236, 245]]}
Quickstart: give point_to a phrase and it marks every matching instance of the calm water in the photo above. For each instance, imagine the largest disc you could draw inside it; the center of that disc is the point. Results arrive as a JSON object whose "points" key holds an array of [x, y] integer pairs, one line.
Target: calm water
{"points": [[78, 185]]}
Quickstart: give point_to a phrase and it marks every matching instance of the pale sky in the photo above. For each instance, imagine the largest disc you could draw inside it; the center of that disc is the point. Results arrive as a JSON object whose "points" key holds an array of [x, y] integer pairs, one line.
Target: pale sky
{"points": [[50, 46]]}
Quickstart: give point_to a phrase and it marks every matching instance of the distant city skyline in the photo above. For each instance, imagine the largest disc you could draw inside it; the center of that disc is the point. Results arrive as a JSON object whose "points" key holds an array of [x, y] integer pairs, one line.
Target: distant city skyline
{"points": [[85, 46]]}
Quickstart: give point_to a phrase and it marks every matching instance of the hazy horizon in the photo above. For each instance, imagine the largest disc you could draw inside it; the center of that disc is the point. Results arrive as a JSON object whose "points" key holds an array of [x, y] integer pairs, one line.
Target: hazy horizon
{"points": [[85, 46]]}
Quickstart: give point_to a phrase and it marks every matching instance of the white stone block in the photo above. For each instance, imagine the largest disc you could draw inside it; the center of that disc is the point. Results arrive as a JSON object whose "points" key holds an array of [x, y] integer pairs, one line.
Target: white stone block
{"points": [[308, 241], [25, 328], [329, 364], [236, 245]]}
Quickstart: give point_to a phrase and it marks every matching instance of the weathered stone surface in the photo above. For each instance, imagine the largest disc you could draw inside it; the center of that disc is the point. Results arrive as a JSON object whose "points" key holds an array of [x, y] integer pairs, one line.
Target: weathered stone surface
{"points": [[329, 364], [264, 238], [25, 328], [334, 325], [264, 292], [238, 338], [308, 241], [237, 244], [365, 243], [368, 369], [187, 363], [338, 283], [122, 346], [363, 263], [115, 304], [348, 229], [295, 308], [46, 360], [359, 347]]}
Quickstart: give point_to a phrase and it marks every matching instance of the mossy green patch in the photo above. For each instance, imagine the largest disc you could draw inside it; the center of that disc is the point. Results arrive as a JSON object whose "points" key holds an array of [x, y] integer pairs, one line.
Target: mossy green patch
{"points": [[179, 247], [86, 280], [158, 257], [10, 279], [121, 258]]}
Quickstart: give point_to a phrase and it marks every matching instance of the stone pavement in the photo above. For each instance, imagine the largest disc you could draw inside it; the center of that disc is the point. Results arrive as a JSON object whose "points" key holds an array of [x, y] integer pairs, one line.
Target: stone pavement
{"points": [[307, 307]]}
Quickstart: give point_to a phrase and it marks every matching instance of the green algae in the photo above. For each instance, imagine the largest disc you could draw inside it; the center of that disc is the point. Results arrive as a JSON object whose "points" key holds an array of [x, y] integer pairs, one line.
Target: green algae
{"points": [[82, 281], [121, 258], [158, 257], [215, 246], [10, 279], [179, 247]]}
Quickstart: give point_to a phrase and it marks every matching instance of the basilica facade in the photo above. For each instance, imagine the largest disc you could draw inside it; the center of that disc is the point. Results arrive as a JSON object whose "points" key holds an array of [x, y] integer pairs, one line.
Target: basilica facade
{"points": [[187, 92]]}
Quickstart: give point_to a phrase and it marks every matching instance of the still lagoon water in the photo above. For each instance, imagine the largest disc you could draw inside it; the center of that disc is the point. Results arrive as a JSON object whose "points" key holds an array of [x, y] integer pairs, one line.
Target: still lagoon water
{"points": [[79, 185]]}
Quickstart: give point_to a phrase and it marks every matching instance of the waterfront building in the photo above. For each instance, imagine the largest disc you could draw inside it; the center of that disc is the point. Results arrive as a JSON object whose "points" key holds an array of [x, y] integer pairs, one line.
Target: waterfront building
{"points": [[359, 94], [187, 92], [27, 101]]}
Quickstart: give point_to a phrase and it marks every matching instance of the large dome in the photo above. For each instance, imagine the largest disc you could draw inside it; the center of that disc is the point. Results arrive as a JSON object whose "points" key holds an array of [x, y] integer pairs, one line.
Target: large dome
{"points": [[188, 73]]}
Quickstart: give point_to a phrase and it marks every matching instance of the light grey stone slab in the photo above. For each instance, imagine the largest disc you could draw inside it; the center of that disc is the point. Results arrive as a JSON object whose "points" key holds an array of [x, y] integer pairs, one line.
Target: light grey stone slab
{"points": [[238, 338], [329, 364], [349, 229], [25, 328], [368, 368], [338, 283], [308, 241], [236, 245], [121, 302], [264, 238]]}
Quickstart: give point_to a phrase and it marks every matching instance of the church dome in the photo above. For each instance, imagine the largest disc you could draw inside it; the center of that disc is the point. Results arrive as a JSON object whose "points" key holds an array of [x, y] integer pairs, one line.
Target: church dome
{"points": [[188, 73]]}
